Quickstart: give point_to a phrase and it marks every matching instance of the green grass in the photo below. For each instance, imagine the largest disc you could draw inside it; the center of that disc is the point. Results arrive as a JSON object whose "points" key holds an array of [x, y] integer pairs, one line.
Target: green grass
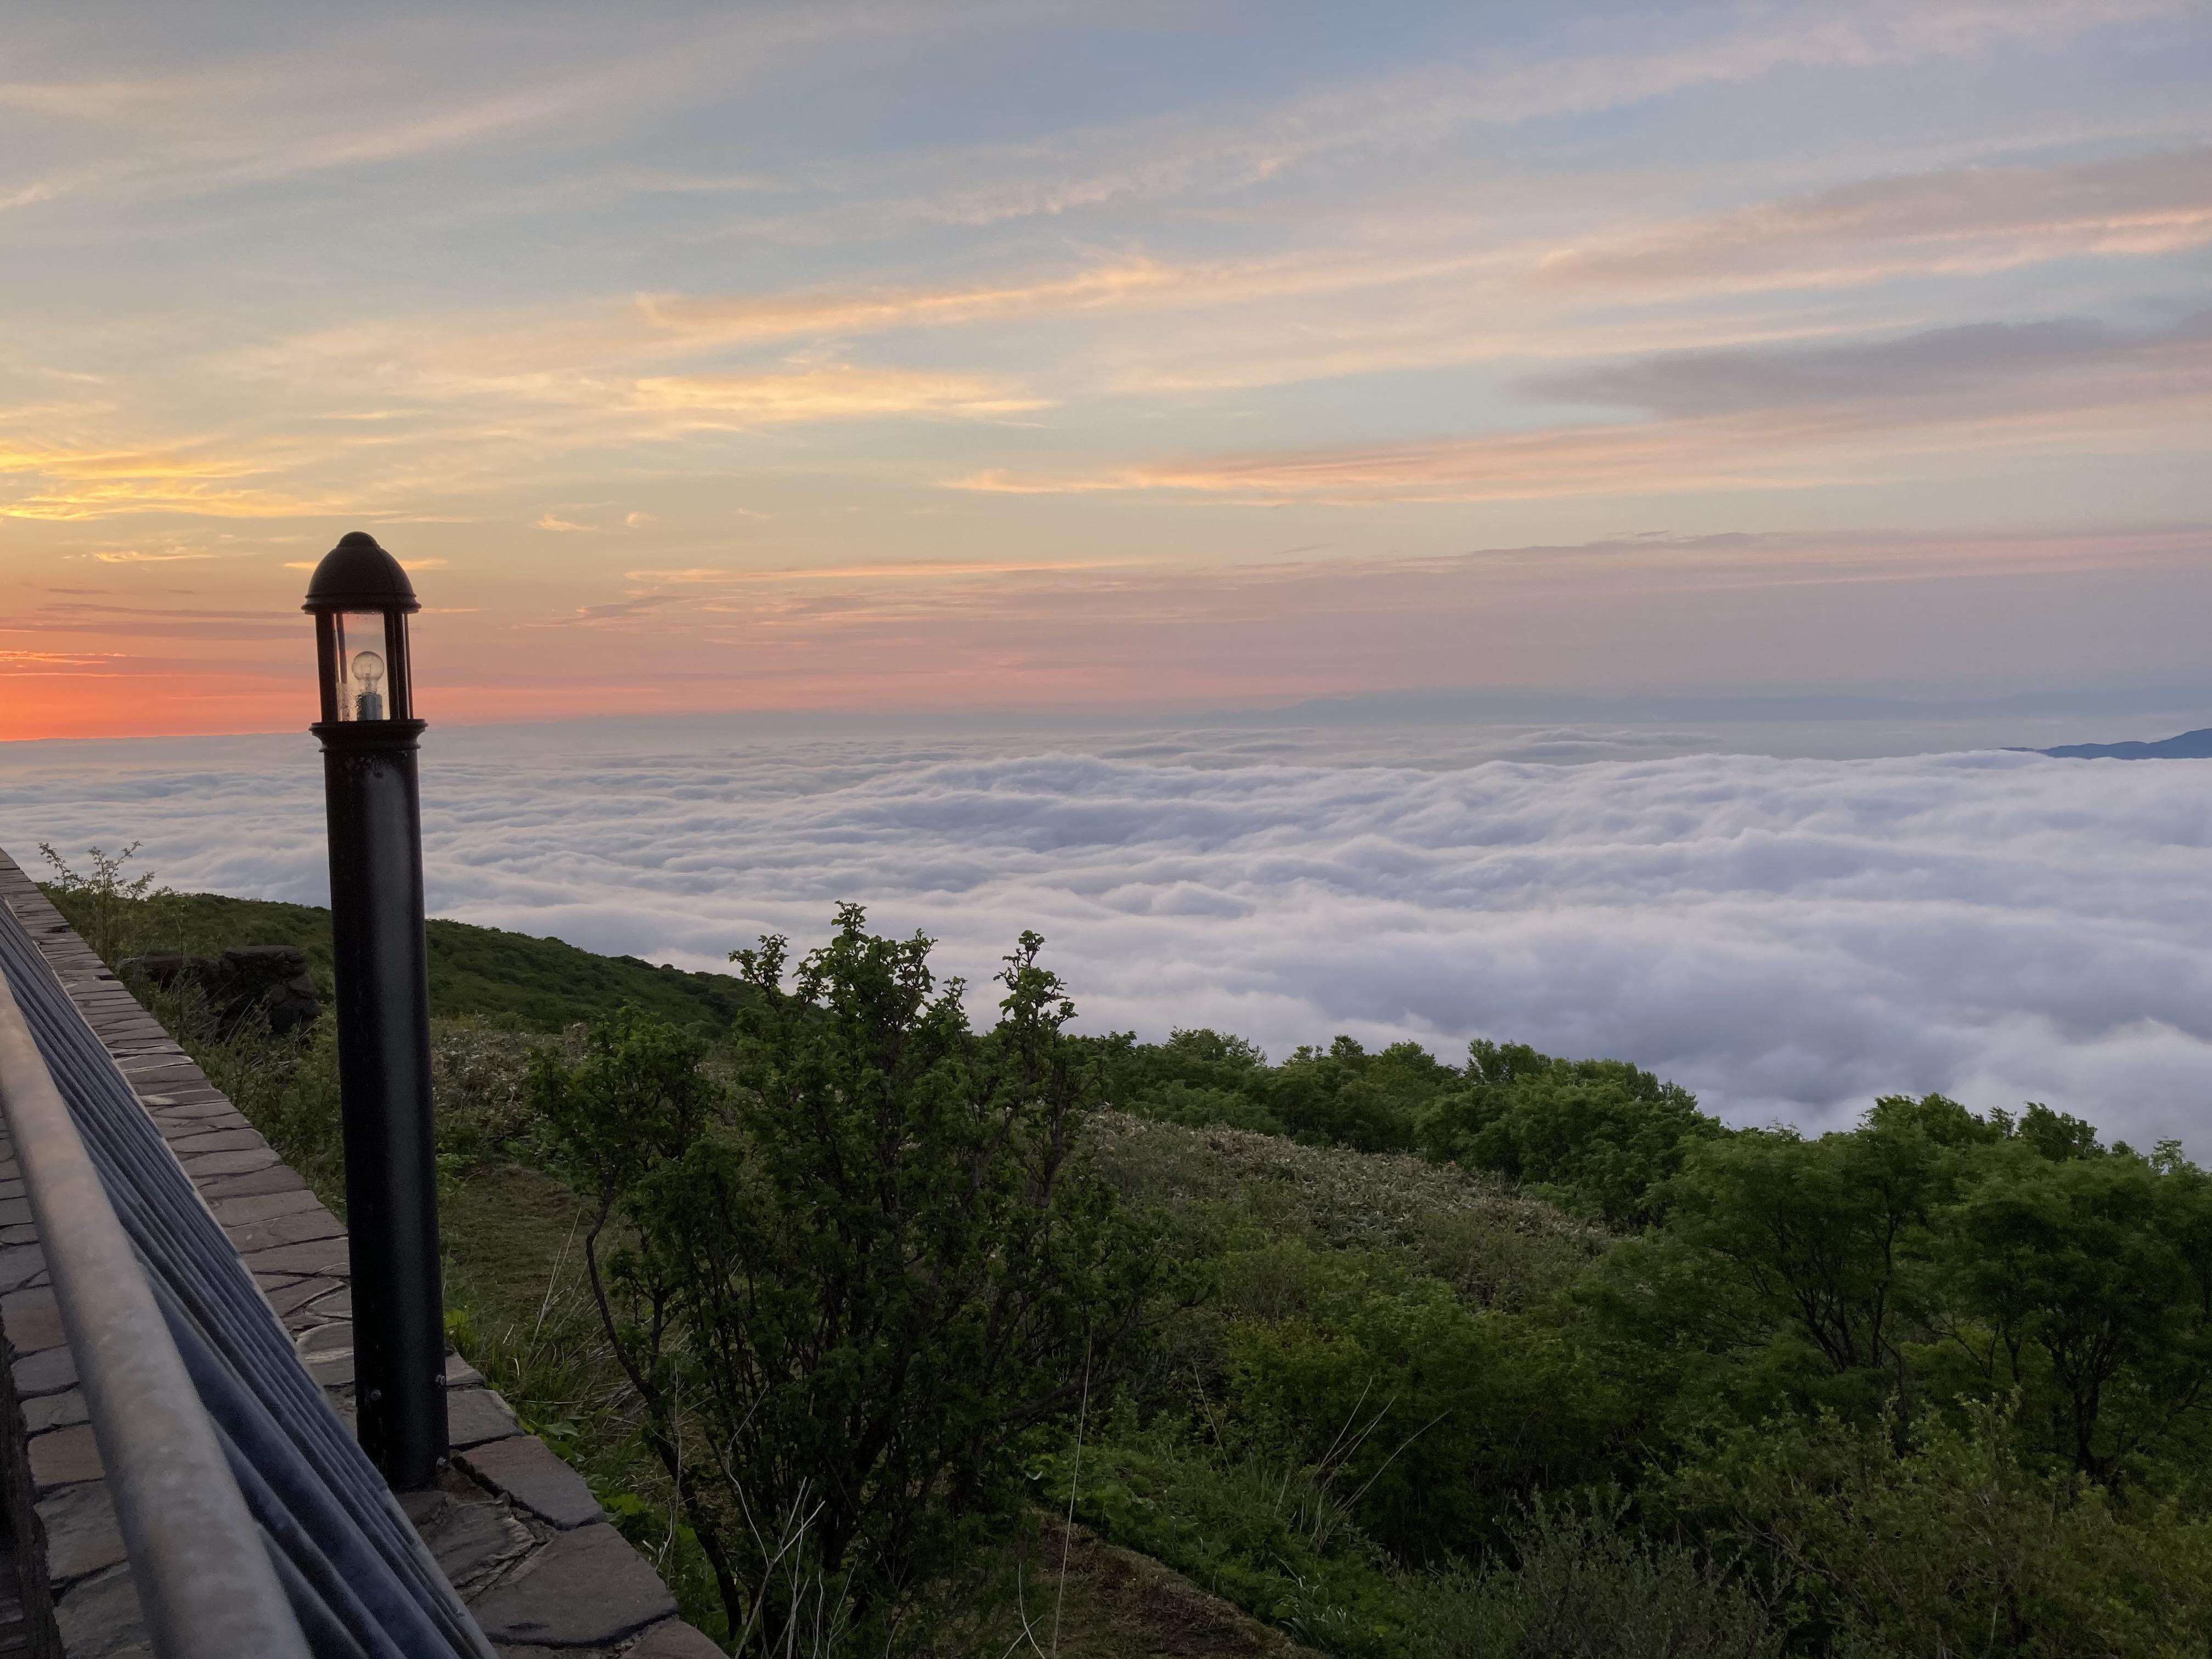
{"points": [[519, 1307], [512, 1237], [507, 979]]}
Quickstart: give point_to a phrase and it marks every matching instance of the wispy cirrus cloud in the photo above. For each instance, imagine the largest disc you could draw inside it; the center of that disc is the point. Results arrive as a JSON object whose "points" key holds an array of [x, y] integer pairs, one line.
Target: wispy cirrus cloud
{"points": [[694, 318], [464, 430], [206, 477], [1163, 159], [411, 90], [134, 555], [192, 460], [1144, 632], [905, 570], [57, 662], [177, 621], [840, 392], [1963, 221], [128, 497], [1161, 325], [1777, 418], [1959, 222]]}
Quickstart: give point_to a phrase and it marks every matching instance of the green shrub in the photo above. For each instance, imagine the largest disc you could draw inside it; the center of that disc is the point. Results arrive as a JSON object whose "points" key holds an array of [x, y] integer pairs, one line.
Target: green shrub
{"points": [[1580, 1585], [855, 1291], [1427, 1416], [286, 1086], [1945, 1540], [116, 917], [1597, 1135], [1336, 1196]]}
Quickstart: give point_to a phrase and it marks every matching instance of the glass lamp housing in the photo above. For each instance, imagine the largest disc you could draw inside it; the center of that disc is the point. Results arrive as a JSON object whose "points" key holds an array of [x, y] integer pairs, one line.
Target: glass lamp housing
{"points": [[362, 660], [361, 599]]}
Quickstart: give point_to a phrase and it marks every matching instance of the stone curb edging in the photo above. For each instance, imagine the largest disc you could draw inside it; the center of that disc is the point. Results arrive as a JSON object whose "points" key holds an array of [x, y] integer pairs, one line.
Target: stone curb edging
{"points": [[515, 1529]]}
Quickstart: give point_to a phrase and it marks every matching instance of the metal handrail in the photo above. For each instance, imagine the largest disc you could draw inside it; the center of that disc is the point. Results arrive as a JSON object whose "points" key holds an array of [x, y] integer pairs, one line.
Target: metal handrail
{"points": [[206, 1585]]}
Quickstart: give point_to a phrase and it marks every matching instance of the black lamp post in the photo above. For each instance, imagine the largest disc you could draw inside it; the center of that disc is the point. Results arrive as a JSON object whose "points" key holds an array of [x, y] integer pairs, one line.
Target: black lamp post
{"points": [[360, 600]]}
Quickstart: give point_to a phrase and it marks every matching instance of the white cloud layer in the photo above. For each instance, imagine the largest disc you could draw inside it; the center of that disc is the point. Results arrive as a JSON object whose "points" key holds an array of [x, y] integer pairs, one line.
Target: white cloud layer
{"points": [[1786, 936]]}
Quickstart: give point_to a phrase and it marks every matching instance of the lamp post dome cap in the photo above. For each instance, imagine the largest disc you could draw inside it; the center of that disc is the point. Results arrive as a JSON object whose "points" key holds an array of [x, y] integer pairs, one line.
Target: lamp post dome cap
{"points": [[357, 575]]}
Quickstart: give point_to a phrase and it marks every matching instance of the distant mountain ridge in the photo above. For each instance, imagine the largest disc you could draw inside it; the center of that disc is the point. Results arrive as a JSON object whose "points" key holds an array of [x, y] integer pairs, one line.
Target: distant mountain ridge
{"points": [[2190, 745], [1508, 705]]}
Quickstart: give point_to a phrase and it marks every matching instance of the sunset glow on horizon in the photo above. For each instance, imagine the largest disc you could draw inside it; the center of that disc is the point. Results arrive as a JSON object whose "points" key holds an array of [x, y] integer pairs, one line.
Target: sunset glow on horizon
{"points": [[1011, 357]]}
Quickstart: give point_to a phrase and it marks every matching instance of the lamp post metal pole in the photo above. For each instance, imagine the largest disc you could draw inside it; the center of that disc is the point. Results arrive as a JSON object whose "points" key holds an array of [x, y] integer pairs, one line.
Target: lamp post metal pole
{"points": [[384, 1083]]}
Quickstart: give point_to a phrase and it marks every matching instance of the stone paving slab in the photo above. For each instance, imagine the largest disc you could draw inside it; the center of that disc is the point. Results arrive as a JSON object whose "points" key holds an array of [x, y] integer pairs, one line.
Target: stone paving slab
{"points": [[300, 1227], [55, 1411], [674, 1640], [21, 1266], [99, 1618], [326, 1255], [277, 1178], [524, 1470], [586, 1588], [266, 1206], [186, 1138], [81, 1536], [244, 1161], [63, 1457], [33, 1320], [473, 1543], [48, 1371], [331, 1342], [301, 1295], [475, 1415]]}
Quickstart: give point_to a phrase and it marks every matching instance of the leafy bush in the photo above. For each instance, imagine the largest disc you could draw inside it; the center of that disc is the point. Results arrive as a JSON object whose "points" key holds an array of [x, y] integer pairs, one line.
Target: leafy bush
{"points": [[479, 1083], [1341, 1198], [1581, 1585], [1339, 1095], [287, 1086], [857, 1283], [1343, 1096], [1196, 1077], [1428, 1417], [2091, 1279], [116, 917], [1946, 1541], [1595, 1135]]}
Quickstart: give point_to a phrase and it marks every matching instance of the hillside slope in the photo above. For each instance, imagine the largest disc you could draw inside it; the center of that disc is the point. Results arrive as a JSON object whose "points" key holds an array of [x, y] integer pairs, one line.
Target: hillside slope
{"points": [[509, 979]]}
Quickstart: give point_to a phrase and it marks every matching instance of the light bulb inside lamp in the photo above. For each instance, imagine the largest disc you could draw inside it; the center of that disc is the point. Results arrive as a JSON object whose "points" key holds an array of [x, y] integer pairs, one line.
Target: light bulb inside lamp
{"points": [[368, 673]]}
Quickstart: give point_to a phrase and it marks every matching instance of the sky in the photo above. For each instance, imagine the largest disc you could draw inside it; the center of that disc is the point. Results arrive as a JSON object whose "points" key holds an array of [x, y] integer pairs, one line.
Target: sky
{"points": [[1114, 360]]}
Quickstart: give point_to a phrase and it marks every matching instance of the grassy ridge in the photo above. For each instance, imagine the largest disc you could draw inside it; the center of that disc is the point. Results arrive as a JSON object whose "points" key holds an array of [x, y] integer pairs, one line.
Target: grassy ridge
{"points": [[511, 980]]}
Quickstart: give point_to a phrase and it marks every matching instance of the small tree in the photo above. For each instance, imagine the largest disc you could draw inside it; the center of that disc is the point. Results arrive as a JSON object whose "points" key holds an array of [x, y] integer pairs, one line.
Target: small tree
{"points": [[102, 906], [849, 1294], [2093, 1277]]}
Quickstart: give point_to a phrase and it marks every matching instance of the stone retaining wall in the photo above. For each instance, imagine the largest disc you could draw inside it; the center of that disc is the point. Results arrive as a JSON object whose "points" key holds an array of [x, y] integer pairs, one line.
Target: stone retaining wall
{"points": [[514, 1528]]}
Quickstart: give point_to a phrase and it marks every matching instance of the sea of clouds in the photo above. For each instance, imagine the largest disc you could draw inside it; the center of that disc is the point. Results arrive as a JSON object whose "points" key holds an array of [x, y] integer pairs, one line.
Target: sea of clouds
{"points": [[1789, 937]]}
